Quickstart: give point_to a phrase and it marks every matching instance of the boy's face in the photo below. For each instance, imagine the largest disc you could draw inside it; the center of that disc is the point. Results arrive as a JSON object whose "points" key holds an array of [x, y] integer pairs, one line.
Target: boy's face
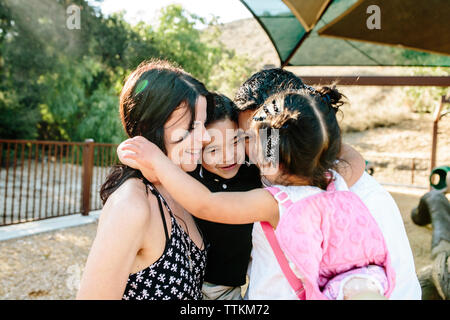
{"points": [[225, 153]]}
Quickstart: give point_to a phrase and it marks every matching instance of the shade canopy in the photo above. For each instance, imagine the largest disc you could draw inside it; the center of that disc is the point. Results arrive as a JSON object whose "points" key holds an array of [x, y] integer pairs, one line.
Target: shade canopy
{"points": [[341, 32], [308, 12]]}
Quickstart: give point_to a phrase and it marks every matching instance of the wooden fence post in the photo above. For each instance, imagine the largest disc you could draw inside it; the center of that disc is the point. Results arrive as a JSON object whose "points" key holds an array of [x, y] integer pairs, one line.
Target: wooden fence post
{"points": [[88, 163]]}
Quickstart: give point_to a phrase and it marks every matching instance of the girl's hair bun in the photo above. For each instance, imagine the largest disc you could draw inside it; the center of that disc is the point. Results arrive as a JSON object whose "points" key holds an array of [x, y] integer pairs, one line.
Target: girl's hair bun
{"points": [[331, 96]]}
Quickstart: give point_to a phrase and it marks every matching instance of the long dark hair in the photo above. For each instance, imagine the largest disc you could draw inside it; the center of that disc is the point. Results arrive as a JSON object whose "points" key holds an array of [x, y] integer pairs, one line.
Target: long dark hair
{"points": [[149, 96], [309, 134]]}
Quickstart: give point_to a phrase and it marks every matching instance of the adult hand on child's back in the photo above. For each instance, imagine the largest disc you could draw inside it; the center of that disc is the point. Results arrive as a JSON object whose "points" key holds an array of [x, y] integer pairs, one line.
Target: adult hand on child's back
{"points": [[361, 289]]}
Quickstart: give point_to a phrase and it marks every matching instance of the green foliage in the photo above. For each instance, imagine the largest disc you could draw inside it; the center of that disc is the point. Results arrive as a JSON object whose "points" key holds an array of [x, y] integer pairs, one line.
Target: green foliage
{"points": [[16, 122], [230, 72], [425, 99], [78, 106], [180, 41], [199, 51], [227, 70], [62, 84]]}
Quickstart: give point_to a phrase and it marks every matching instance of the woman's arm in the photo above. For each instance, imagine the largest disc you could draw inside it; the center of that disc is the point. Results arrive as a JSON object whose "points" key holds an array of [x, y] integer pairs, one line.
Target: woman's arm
{"points": [[224, 207], [119, 237], [353, 165]]}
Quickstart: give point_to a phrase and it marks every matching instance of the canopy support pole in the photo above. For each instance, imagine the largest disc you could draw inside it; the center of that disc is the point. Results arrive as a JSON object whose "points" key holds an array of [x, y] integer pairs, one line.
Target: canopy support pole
{"points": [[437, 117]]}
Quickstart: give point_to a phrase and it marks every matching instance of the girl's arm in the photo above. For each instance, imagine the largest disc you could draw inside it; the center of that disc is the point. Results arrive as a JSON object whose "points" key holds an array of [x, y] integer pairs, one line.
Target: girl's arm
{"points": [[353, 165], [119, 238], [223, 207]]}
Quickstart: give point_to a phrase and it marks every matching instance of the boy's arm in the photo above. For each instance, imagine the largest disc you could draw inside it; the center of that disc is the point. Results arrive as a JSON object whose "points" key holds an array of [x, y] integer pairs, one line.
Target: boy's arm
{"points": [[352, 164], [223, 207]]}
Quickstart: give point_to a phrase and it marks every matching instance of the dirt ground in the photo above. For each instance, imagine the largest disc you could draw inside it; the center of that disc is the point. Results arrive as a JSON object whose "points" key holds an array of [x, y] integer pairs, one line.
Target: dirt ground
{"points": [[419, 237], [45, 266]]}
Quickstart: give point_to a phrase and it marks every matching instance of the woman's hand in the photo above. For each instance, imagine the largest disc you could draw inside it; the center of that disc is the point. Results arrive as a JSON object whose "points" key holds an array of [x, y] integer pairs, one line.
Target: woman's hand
{"points": [[361, 289], [353, 166], [141, 154]]}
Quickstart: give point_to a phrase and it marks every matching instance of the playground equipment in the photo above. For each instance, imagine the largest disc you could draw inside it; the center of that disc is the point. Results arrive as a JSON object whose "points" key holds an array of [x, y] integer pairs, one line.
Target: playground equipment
{"points": [[434, 208], [369, 167], [440, 179]]}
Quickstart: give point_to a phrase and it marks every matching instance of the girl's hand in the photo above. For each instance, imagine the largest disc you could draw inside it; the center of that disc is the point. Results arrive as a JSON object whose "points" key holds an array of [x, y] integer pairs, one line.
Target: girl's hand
{"points": [[140, 154], [122, 156]]}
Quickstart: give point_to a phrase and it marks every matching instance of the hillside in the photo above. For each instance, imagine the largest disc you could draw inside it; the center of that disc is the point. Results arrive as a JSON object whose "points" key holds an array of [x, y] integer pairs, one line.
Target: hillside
{"points": [[247, 37]]}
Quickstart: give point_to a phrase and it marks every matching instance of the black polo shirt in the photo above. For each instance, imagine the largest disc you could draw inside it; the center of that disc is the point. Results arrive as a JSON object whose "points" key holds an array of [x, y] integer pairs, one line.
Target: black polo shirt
{"points": [[229, 245]]}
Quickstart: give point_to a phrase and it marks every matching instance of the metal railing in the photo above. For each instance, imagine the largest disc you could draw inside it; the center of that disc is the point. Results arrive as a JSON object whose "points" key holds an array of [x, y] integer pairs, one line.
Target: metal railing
{"points": [[396, 170], [45, 179]]}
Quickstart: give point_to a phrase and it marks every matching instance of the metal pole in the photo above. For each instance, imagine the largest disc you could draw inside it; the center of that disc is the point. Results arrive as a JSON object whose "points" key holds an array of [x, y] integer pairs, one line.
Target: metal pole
{"points": [[437, 114], [88, 162], [437, 117]]}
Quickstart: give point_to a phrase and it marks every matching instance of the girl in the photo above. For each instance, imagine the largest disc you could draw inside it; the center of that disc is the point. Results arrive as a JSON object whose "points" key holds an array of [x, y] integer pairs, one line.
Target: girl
{"points": [[252, 94], [309, 142], [224, 169], [147, 246]]}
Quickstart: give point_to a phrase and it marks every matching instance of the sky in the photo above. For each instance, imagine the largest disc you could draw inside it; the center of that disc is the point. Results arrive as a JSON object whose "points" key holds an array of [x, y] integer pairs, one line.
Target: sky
{"points": [[146, 10]]}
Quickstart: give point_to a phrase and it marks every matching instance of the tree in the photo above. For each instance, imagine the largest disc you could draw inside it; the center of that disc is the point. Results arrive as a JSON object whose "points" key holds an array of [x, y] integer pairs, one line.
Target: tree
{"points": [[199, 51], [58, 83]]}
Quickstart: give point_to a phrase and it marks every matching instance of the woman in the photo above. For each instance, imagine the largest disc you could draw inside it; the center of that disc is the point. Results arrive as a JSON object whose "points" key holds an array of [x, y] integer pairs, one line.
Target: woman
{"points": [[147, 246]]}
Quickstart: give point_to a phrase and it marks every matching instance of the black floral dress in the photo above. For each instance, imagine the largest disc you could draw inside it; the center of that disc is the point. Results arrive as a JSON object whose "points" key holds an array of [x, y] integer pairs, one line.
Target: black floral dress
{"points": [[178, 274]]}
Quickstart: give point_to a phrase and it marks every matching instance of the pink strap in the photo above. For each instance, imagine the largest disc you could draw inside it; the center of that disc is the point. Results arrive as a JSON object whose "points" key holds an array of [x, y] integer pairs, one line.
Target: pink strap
{"points": [[295, 282], [331, 186], [281, 196]]}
